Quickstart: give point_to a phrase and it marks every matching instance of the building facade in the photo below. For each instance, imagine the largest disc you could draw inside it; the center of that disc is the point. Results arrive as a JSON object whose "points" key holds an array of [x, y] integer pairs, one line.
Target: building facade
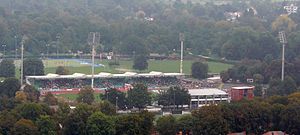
{"points": [[207, 96]]}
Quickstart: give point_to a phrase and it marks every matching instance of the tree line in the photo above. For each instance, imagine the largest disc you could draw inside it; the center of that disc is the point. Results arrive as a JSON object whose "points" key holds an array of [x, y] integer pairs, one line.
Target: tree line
{"points": [[64, 25], [266, 72], [25, 112]]}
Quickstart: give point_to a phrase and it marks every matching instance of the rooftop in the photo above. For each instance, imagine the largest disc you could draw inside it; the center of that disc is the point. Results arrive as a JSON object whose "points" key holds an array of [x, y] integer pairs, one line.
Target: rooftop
{"points": [[243, 87], [206, 91]]}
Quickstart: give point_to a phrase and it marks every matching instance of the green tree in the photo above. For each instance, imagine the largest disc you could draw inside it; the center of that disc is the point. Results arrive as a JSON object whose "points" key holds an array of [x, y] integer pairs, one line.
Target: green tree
{"points": [[166, 125], [146, 124], [25, 127], [100, 124], [46, 125], [32, 94], [114, 95], [33, 67], [291, 119], [185, 123], [140, 62], [76, 121], [7, 68], [174, 96], [20, 97], [7, 121], [139, 96], [208, 120], [50, 99], [128, 125], [31, 111], [62, 112], [60, 70], [199, 70], [106, 107], [9, 87], [86, 95]]}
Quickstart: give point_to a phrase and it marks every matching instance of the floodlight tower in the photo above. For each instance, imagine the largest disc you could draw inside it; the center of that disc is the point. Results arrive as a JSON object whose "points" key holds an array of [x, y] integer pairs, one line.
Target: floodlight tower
{"points": [[93, 39], [181, 39], [282, 39], [22, 58]]}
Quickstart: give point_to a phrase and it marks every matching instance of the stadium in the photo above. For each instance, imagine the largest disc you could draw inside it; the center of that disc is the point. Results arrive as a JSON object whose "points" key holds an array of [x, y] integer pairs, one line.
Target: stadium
{"points": [[62, 84]]}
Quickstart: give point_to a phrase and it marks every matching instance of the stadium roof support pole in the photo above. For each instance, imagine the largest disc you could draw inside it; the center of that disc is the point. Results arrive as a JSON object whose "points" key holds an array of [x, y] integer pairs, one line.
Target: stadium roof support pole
{"points": [[181, 39], [283, 40]]}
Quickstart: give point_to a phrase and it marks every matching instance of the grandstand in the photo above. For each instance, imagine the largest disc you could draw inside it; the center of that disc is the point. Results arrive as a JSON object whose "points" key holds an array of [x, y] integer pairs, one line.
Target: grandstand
{"points": [[72, 83]]}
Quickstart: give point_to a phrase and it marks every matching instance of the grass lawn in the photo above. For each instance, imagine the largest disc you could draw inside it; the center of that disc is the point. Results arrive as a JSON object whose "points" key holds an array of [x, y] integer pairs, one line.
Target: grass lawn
{"points": [[74, 96], [126, 65]]}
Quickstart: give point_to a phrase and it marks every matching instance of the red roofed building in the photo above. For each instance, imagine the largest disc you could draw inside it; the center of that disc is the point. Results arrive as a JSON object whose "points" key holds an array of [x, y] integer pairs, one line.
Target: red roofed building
{"points": [[239, 93]]}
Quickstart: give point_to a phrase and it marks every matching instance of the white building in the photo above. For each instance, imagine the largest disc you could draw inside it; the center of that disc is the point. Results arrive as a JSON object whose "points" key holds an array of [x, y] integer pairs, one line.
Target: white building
{"points": [[207, 96]]}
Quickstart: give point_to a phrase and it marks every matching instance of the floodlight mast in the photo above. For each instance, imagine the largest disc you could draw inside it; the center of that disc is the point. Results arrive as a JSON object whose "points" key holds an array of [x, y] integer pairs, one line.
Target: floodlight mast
{"points": [[181, 39], [22, 59], [282, 39], [93, 39]]}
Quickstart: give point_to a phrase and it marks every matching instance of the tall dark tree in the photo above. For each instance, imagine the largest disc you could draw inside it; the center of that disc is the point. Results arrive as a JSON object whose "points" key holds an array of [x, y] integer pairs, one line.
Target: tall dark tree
{"points": [[174, 96], [32, 94], [166, 125], [25, 127], [199, 70], [208, 120], [116, 97], [60, 70], [86, 95], [76, 121], [33, 67], [50, 99], [46, 125], [291, 119], [32, 111], [138, 96], [140, 62], [100, 124], [7, 68], [128, 125], [9, 87]]}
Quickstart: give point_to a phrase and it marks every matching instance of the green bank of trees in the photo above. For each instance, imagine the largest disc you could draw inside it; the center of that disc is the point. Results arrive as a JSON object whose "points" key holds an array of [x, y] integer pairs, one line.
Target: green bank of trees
{"points": [[148, 26], [254, 117]]}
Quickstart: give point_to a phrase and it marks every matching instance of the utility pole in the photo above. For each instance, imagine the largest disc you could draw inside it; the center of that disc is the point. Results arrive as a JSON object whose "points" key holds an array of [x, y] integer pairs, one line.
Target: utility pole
{"points": [[22, 59], [181, 39], [93, 39], [282, 39]]}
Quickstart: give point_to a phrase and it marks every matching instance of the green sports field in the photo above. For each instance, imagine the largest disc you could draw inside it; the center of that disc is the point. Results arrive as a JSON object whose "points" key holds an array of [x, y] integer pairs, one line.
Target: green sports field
{"points": [[126, 65]]}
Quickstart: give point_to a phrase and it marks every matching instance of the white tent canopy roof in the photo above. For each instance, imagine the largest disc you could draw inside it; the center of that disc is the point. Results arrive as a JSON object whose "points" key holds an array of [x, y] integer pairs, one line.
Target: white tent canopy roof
{"points": [[105, 75]]}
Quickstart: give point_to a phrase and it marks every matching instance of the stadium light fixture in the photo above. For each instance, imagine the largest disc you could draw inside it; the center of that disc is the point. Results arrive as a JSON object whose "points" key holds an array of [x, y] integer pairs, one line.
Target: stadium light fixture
{"points": [[291, 9]]}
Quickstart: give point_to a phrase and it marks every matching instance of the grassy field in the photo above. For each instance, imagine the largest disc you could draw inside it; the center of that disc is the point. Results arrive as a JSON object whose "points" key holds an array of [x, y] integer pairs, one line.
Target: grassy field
{"points": [[126, 65], [73, 97]]}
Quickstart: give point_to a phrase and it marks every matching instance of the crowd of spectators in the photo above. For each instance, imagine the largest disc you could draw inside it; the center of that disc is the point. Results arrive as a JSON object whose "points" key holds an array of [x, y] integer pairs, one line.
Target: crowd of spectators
{"points": [[196, 84], [105, 83]]}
